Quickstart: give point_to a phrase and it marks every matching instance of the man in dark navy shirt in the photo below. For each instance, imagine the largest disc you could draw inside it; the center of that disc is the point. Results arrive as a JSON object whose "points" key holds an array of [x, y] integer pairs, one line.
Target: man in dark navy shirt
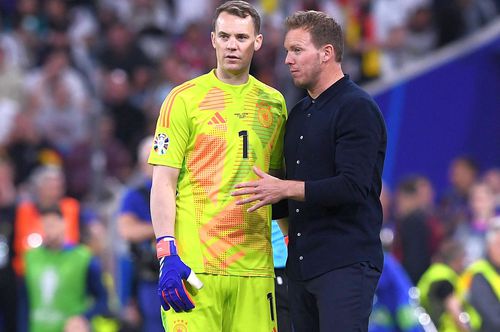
{"points": [[335, 146]]}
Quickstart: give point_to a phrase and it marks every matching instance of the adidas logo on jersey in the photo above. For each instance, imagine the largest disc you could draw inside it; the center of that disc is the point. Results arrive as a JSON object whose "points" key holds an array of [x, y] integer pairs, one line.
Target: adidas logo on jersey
{"points": [[217, 119]]}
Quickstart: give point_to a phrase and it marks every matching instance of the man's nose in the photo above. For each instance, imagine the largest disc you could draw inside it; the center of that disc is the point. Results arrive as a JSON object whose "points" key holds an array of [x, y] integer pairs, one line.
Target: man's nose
{"points": [[231, 44]]}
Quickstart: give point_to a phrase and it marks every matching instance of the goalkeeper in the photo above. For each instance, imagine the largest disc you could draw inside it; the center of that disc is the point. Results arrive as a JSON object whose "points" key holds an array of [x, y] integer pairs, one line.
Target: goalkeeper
{"points": [[210, 132]]}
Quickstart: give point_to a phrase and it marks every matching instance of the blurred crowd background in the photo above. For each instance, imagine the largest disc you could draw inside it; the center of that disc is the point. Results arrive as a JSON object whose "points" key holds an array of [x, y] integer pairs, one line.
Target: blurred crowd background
{"points": [[82, 81]]}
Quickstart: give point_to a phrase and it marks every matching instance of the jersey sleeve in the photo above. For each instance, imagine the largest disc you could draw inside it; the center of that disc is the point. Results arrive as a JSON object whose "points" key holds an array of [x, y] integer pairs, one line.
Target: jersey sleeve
{"points": [[277, 152], [172, 133]]}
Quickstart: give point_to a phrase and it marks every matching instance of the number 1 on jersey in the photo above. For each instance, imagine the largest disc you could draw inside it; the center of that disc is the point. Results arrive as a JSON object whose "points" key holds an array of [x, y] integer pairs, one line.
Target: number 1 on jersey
{"points": [[244, 135]]}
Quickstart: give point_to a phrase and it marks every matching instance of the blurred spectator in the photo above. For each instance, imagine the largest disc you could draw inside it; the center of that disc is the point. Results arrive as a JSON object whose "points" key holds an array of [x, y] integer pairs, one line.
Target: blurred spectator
{"points": [[120, 51], [473, 232], [363, 52], [140, 92], [426, 196], [463, 173], [134, 225], [64, 282], [79, 161], [262, 67], [55, 69], [421, 36], [129, 120], [390, 19], [24, 30], [393, 309], [183, 13], [49, 190], [56, 15], [11, 77], [11, 93], [492, 178], [150, 13], [63, 123], [28, 149], [8, 287], [8, 113], [193, 48], [438, 290], [412, 243], [481, 282]]}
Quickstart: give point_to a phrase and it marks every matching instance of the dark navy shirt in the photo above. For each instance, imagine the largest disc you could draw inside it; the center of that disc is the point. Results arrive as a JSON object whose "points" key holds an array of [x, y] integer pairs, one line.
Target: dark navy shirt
{"points": [[335, 144]]}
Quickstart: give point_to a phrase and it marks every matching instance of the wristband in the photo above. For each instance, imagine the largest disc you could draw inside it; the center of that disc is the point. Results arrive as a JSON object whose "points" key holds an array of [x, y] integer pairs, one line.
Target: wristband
{"points": [[165, 246], [285, 238]]}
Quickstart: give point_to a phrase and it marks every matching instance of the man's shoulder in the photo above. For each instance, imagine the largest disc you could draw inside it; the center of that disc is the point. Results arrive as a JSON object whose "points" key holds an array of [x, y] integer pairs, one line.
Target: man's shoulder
{"points": [[354, 98], [352, 91], [267, 89]]}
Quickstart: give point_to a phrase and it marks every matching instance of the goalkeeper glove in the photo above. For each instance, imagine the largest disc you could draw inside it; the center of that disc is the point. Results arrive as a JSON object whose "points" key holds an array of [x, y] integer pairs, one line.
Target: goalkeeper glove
{"points": [[173, 271]]}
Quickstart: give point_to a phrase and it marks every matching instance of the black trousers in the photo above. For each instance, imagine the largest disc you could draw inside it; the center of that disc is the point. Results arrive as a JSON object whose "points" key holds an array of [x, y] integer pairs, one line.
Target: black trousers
{"points": [[337, 301], [282, 301]]}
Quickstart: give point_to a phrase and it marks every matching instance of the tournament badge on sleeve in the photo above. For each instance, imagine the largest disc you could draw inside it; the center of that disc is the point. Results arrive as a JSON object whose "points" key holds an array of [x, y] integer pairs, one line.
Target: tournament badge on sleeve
{"points": [[161, 144]]}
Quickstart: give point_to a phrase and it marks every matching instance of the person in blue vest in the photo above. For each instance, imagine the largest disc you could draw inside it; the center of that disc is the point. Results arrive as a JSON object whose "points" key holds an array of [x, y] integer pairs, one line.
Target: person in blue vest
{"points": [[393, 308], [280, 255], [134, 225]]}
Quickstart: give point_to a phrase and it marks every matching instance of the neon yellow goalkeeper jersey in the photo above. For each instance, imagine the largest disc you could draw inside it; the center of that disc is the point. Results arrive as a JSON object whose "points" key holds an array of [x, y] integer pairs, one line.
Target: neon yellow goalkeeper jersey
{"points": [[214, 133]]}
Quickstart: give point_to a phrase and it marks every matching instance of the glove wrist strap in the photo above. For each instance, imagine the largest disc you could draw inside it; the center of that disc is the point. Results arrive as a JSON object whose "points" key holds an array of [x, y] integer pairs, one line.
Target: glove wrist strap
{"points": [[165, 246]]}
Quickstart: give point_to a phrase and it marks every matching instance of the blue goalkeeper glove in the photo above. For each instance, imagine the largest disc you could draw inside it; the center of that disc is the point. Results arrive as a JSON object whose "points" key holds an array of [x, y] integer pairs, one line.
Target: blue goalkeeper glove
{"points": [[173, 271]]}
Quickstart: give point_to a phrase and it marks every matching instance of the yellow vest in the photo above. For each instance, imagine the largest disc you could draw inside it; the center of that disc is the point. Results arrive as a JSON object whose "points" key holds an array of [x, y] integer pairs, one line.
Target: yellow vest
{"points": [[441, 272], [465, 281]]}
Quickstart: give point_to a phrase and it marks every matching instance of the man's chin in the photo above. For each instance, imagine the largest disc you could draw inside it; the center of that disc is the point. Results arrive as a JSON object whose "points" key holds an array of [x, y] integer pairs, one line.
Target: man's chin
{"points": [[299, 84]]}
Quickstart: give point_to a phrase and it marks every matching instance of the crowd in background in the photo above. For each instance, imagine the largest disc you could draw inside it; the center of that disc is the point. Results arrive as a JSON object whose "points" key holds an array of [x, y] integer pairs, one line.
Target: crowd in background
{"points": [[82, 81]]}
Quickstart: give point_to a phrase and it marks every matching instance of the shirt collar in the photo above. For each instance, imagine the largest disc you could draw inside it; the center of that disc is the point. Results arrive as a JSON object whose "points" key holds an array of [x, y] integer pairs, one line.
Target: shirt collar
{"points": [[328, 93], [238, 89]]}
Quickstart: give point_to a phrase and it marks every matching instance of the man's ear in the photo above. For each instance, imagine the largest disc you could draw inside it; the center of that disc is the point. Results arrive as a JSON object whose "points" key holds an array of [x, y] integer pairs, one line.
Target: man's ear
{"points": [[257, 44], [327, 53], [212, 38]]}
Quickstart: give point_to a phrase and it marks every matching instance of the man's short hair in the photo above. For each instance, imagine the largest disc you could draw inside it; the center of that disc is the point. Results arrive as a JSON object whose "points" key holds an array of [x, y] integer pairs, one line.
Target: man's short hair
{"points": [[323, 29], [241, 9], [408, 185]]}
